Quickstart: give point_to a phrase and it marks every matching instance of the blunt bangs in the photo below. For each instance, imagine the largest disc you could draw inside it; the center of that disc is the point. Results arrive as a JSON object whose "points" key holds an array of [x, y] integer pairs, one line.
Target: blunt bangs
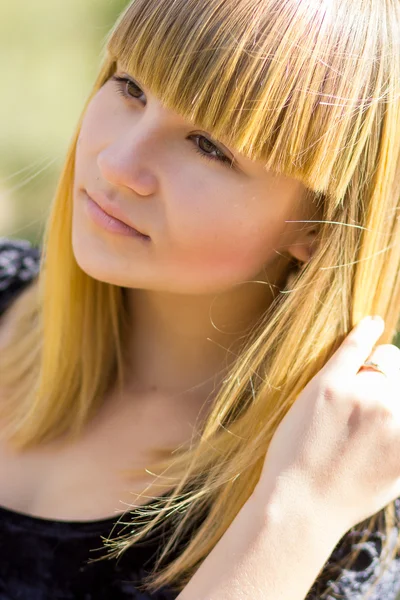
{"points": [[304, 103]]}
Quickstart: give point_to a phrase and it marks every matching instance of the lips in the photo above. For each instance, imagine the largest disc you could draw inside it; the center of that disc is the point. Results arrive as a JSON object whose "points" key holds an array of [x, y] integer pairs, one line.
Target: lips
{"points": [[111, 208]]}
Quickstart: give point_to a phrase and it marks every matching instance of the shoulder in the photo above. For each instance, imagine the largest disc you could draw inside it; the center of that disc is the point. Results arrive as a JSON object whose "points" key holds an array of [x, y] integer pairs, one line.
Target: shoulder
{"points": [[371, 574], [19, 265]]}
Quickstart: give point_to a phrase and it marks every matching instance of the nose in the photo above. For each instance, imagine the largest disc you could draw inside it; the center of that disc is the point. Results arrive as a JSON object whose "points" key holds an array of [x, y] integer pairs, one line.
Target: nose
{"points": [[129, 160]]}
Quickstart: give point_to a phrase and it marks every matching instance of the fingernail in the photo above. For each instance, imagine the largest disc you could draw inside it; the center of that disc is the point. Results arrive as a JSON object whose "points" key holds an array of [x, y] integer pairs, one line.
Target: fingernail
{"points": [[378, 319], [378, 323]]}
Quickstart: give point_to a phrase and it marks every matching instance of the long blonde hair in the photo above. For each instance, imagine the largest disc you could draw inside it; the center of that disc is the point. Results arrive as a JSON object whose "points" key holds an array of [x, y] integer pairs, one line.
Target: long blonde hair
{"points": [[312, 88]]}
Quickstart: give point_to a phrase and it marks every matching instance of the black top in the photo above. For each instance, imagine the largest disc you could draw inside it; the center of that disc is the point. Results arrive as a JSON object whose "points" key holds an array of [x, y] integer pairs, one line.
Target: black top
{"points": [[43, 559]]}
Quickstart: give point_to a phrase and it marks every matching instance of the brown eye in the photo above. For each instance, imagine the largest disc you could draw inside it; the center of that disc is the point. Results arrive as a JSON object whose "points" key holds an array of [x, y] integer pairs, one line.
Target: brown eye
{"points": [[123, 83], [209, 150], [206, 145], [135, 91]]}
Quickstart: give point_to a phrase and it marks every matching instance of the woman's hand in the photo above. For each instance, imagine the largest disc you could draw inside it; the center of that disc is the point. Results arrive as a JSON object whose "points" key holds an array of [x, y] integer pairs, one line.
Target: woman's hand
{"points": [[340, 441]]}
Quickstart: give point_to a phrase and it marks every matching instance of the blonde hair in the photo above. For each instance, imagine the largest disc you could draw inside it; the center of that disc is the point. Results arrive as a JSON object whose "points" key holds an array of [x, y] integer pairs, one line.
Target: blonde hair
{"points": [[310, 87]]}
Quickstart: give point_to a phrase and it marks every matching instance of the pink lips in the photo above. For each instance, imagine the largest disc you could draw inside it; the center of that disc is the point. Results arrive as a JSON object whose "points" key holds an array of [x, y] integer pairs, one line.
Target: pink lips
{"points": [[109, 216]]}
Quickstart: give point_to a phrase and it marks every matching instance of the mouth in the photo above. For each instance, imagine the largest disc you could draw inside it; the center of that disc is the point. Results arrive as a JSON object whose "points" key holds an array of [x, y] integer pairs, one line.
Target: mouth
{"points": [[109, 215]]}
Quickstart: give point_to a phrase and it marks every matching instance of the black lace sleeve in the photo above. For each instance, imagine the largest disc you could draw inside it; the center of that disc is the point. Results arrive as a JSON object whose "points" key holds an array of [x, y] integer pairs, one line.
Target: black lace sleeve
{"points": [[355, 583], [19, 265]]}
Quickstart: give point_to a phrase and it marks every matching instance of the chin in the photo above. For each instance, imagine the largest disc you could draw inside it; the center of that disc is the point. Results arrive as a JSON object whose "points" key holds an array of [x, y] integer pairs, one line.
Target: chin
{"points": [[95, 259]]}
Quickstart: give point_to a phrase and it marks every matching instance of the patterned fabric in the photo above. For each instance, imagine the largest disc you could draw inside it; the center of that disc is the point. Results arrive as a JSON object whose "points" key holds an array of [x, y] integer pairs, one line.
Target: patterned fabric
{"points": [[355, 583], [44, 559], [19, 264]]}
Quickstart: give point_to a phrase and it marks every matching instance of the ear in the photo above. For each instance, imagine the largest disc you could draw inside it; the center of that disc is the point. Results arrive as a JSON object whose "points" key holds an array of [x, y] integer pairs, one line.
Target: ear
{"points": [[303, 247]]}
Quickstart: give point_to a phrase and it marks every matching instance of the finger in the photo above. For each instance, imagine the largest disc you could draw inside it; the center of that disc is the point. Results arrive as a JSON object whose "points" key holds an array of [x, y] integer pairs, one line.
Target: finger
{"points": [[357, 347], [387, 357]]}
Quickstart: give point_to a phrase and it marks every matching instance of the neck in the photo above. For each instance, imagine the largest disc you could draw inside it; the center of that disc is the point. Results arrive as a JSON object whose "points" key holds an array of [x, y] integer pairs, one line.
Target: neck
{"points": [[186, 344]]}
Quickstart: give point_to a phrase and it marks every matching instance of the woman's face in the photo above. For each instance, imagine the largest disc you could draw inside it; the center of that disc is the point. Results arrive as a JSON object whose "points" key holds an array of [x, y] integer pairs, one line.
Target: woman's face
{"points": [[212, 217]]}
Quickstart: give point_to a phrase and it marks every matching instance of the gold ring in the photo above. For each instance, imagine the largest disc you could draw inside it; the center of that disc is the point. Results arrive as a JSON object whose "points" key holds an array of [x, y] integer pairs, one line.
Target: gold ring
{"points": [[373, 365]]}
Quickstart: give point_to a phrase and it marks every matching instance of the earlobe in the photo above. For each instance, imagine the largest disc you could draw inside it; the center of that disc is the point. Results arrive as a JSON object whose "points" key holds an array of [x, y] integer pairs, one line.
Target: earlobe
{"points": [[301, 254], [304, 248]]}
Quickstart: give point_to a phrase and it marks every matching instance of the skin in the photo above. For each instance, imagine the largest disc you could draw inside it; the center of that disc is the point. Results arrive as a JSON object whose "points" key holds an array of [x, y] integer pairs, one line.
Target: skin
{"points": [[215, 229]]}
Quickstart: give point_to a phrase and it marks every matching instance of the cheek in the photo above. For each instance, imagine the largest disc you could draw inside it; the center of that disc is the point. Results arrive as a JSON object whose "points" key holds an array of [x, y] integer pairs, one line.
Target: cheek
{"points": [[96, 131], [224, 233]]}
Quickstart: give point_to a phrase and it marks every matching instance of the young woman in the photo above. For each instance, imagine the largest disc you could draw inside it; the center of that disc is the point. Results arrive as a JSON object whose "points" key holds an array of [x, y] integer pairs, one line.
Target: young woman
{"points": [[188, 383]]}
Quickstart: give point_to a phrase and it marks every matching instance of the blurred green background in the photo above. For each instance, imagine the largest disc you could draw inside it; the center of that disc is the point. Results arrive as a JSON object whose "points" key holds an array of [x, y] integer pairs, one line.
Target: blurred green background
{"points": [[49, 58]]}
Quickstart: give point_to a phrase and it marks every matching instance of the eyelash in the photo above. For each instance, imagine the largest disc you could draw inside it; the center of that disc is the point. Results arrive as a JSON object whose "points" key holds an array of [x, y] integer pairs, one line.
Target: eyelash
{"points": [[121, 90]]}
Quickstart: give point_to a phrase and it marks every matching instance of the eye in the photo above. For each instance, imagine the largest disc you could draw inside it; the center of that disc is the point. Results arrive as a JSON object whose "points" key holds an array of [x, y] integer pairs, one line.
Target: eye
{"points": [[207, 149], [127, 88], [123, 84]]}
